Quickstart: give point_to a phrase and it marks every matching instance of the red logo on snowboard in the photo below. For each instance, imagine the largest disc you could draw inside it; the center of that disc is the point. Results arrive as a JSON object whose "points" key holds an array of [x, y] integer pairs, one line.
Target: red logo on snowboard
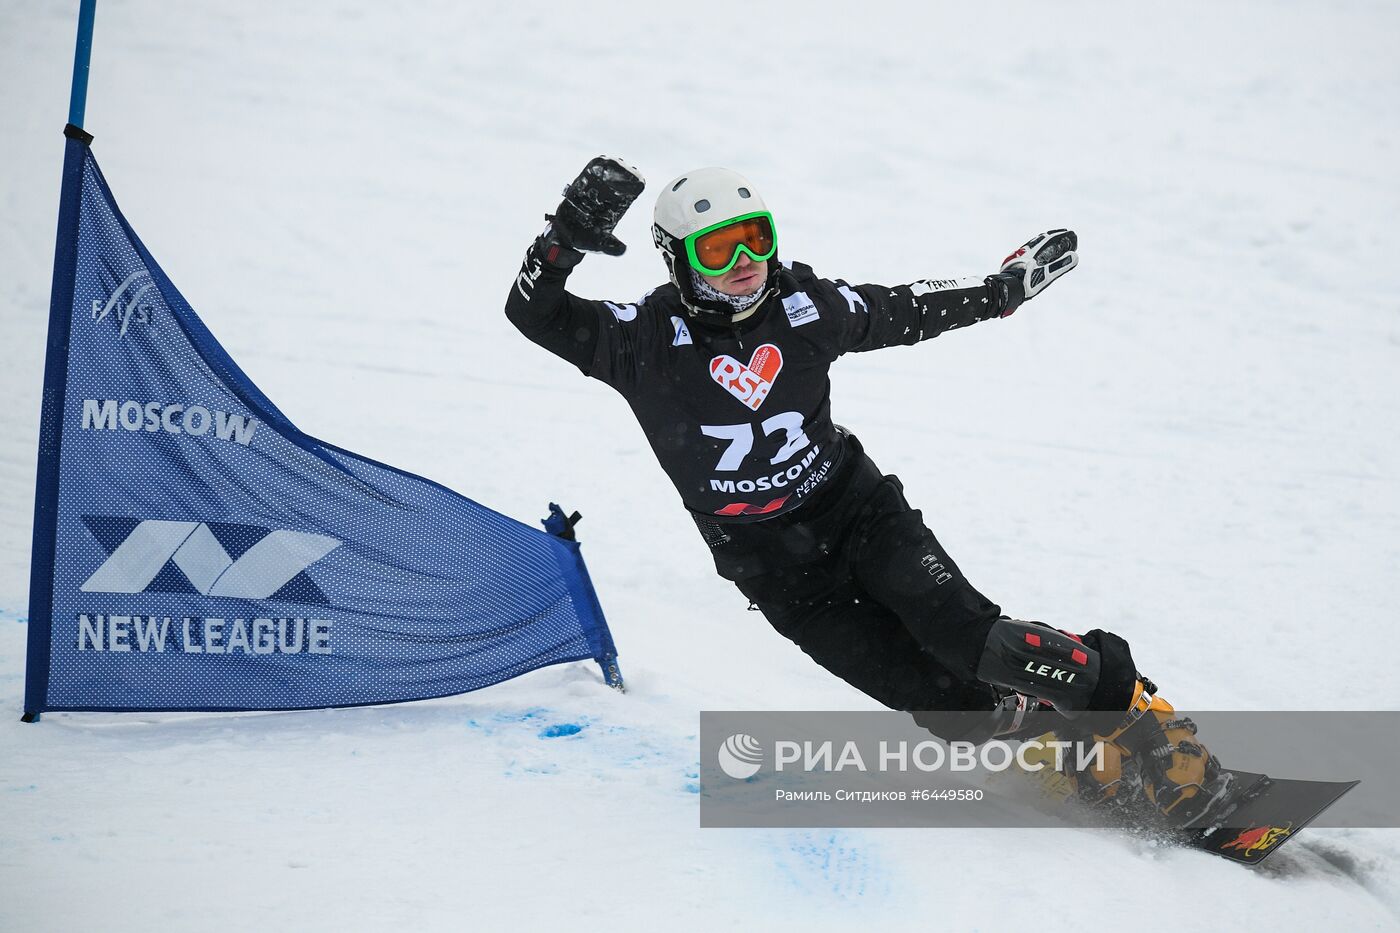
{"points": [[1259, 839], [749, 384]]}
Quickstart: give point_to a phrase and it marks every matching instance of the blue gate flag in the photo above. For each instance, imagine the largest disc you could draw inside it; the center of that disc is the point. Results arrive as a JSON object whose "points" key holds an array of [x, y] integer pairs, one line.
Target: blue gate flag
{"points": [[193, 550]]}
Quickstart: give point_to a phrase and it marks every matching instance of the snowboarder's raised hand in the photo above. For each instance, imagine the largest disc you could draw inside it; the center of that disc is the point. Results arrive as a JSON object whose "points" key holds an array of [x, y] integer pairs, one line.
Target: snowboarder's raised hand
{"points": [[593, 204], [1043, 259]]}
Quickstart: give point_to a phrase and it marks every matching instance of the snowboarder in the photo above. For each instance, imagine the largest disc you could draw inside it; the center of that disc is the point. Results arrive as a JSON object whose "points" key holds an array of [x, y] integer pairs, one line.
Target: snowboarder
{"points": [[726, 369]]}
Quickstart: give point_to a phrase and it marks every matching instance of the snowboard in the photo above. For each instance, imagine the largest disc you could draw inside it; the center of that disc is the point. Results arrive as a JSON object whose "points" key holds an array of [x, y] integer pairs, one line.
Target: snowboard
{"points": [[1262, 814], [1257, 818]]}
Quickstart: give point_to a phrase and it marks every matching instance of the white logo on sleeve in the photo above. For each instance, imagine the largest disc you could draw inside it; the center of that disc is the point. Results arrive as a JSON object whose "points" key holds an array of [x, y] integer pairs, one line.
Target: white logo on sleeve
{"points": [[682, 332], [622, 312], [852, 299], [928, 286], [799, 309], [740, 756]]}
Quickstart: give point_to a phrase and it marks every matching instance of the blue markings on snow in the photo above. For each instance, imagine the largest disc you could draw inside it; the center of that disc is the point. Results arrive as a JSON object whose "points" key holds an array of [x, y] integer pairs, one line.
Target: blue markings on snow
{"points": [[836, 864], [503, 721], [595, 750], [560, 729]]}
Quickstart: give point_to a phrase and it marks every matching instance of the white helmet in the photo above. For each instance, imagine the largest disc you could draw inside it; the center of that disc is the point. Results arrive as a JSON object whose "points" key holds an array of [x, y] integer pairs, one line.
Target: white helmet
{"points": [[695, 202]]}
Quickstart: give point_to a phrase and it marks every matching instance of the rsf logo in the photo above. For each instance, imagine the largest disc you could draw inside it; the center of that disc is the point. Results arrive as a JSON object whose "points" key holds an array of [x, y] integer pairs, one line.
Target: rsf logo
{"points": [[749, 384], [740, 756]]}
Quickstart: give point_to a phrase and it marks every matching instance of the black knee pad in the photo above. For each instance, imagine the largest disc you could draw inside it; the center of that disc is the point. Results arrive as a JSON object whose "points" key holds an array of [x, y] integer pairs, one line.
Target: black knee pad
{"points": [[1094, 672], [1040, 662]]}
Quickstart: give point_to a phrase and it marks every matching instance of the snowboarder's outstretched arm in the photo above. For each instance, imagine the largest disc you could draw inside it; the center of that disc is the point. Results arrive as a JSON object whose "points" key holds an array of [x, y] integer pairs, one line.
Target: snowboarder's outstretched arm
{"points": [[540, 307], [884, 316], [544, 312]]}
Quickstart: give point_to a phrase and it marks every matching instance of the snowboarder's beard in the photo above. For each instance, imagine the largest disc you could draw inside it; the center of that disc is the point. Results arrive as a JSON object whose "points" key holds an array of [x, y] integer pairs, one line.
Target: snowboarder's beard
{"points": [[740, 303]]}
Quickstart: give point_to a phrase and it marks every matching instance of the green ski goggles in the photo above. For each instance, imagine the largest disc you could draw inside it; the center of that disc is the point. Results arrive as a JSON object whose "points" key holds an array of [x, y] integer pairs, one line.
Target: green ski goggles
{"points": [[716, 249]]}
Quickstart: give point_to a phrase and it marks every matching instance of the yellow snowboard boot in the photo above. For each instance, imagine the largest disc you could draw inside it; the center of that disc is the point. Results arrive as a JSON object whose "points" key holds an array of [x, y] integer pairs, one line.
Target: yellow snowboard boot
{"points": [[1158, 752]]}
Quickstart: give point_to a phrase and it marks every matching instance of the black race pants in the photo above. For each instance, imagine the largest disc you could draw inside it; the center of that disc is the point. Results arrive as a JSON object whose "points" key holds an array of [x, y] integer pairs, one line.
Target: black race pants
{"points": [[865, 589]]}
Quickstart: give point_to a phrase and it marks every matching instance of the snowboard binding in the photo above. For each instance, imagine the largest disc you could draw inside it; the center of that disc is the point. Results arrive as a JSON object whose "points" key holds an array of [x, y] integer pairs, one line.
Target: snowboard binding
{"points": [[1152, 762]]}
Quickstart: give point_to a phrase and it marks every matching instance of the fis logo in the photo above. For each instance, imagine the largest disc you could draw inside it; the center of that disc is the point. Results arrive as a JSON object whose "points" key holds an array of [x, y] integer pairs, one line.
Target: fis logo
{"points": [[749, 384], [208, 558], [129, 304]]}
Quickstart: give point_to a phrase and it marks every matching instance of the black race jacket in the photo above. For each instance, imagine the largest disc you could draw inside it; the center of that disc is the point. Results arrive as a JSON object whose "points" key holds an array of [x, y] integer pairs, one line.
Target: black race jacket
{"points": [[739, 416]]}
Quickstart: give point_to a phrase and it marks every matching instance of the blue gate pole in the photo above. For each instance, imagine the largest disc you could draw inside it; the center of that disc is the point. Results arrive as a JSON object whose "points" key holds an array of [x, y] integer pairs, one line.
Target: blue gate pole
{"points": [[82, 57], [40, 632]]}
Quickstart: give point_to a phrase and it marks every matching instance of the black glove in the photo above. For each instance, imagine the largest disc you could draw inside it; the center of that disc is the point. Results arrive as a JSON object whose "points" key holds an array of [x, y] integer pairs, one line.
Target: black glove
{"points": [[593, 204], [1043, 259]]}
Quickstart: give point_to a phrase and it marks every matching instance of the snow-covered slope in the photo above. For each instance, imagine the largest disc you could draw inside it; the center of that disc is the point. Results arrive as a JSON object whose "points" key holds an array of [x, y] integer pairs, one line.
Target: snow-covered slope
{"points": [[1191, 440]]}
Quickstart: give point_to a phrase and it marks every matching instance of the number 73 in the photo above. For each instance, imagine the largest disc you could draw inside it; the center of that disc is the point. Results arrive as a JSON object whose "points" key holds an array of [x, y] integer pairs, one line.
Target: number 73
{"points": [[741, 438]]}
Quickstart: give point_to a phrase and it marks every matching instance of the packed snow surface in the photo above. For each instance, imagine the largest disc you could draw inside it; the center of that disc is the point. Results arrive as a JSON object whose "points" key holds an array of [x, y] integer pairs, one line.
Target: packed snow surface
{"points": [[1191, 440]]}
